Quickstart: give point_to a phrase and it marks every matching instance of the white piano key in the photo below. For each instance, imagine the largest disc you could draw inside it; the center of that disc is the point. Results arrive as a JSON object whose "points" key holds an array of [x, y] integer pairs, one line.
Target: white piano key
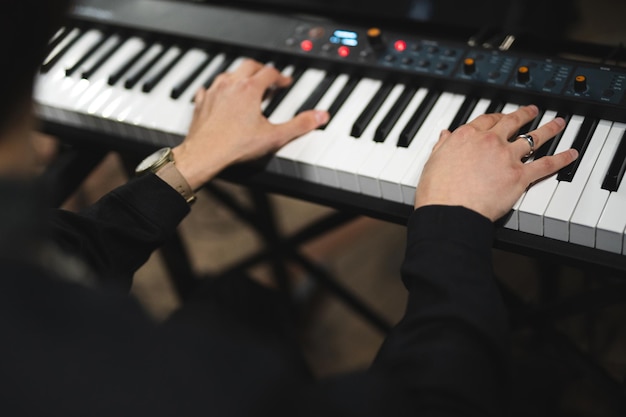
{"points": [[56, 35], [134, 110], [69, 38], [561, 207], [51, 86], [374, 155], [286, 109], [99, 88], [612, 223], [121, 95], [163, 113], [593, 198], [403, 159], [287, 71], [513, 220], [77, 93], [297, 95], [341, 142], [346, 177], [315, 160], [537, 198], [185, 111], [480, 109], [304, 149]]}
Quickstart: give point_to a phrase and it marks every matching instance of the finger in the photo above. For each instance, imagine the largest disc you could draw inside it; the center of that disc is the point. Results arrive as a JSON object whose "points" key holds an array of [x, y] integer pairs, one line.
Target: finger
{"points": [[199, 97], [548, 165], [199, 101], [301, 124], [445, 134], [247, 68], [486, 121], [540, 136], [269, 76], [508, 125]]}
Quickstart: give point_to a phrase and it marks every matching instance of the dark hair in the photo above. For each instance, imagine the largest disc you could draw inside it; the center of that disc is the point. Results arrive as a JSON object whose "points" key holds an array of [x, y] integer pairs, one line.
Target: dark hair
{"points": [[25, 29]]}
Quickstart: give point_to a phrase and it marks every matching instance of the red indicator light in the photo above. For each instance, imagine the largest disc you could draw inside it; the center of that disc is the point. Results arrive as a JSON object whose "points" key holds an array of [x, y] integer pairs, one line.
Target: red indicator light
{"points": [[400, 46], [306, 45], [343, 51]]}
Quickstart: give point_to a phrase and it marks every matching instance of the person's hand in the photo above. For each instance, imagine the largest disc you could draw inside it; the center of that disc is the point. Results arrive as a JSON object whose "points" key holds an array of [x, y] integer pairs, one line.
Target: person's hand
{"points": [[477, 167], [228, 126]]}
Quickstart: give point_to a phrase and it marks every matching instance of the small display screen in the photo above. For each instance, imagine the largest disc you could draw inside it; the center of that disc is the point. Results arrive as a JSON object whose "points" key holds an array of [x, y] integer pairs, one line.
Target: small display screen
{"points": [[344, 37]]}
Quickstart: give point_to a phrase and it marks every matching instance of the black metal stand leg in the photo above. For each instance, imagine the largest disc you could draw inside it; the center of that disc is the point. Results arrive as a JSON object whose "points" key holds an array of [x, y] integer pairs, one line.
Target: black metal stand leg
{"points": [[541, 319], [268, 229], [178, 265], [281, 249], [65, 174]]}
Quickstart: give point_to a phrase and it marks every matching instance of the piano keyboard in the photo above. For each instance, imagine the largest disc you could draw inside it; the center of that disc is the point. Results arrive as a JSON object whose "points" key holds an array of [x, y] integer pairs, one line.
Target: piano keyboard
{"points": [[132, 84]]}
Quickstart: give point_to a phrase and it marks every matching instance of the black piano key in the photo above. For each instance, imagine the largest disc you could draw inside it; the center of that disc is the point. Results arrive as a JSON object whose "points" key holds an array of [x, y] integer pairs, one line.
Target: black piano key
{"points": [[57, 57], [183, 85], [280, 94], [279, 66], [549, 147], [341, 98], [54, 42], [318, 92], [228, 60], [532, 125], [464, 113], [153, 81], [105, 57], [495, 106], [615, 174], [418, 118], [126, 66], [132, 80], [370, 110], [580, 144], [390, 120], [86, 56]]}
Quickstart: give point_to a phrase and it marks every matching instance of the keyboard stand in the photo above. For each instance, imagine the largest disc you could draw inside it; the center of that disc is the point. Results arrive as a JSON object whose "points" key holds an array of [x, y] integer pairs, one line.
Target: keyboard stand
{"points": [[74, 164]]}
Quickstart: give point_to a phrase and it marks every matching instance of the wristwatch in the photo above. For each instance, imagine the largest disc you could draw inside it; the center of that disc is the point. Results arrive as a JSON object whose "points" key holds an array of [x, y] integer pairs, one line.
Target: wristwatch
{"points": [[163, 165]]}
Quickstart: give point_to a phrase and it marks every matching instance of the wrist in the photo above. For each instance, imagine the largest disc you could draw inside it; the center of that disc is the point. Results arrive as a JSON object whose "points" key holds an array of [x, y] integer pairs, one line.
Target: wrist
{"points": [[196, 167], [163, 164]]}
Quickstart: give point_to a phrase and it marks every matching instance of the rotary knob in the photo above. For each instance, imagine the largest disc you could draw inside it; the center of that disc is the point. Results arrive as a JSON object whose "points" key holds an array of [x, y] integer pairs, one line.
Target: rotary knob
{"points": [[469, 66], [523, 74], [580, 83], [375, 38]]}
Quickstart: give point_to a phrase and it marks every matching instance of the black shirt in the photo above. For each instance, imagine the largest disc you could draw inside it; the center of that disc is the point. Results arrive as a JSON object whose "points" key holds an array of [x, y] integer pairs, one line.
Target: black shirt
{"points": [[75, 344]]}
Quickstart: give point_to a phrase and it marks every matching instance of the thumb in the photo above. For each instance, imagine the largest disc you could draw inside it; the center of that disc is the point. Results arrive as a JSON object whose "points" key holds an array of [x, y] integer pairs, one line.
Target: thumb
{"points": [[301, 124], [442, 137]]}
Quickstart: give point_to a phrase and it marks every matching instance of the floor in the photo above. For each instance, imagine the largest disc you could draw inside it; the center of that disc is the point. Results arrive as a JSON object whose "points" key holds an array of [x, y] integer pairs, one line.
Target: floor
{"points": [[366, 254]]}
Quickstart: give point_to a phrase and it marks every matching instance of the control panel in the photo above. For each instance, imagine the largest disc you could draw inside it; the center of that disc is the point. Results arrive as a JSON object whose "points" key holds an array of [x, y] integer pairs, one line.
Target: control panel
{"points": [[461, 62]]}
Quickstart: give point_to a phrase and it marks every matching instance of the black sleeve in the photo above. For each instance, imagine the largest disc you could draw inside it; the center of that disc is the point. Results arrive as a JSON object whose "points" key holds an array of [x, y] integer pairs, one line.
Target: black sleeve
{"points": [[118, 233], [451, 347], [448, 356]]}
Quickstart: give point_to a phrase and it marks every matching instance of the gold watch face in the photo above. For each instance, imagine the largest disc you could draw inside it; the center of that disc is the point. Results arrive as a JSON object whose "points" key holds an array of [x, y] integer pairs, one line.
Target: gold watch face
{"points": [[153, 160]]}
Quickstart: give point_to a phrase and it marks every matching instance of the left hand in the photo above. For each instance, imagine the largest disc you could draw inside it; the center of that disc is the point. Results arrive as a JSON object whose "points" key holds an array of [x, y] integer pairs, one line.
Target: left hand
{"points": [[228, 126]]}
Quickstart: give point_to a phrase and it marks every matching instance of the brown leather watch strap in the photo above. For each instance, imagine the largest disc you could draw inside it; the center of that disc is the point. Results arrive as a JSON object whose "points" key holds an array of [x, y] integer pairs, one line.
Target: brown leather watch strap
{"points": [[171, 175]]}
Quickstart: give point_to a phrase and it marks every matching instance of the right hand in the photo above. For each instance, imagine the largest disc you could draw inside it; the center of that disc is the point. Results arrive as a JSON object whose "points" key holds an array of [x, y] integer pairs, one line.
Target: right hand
{"points": [[478, 168]]}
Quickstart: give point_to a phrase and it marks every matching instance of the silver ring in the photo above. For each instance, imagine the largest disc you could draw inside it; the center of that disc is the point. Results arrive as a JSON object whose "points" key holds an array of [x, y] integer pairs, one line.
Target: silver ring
{"points": [[531, 143]]}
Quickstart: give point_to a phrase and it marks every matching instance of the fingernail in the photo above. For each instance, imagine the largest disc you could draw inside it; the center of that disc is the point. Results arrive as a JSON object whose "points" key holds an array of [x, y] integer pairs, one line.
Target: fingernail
{"points": [[560, 121], [534, 108], [321, 117]]}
